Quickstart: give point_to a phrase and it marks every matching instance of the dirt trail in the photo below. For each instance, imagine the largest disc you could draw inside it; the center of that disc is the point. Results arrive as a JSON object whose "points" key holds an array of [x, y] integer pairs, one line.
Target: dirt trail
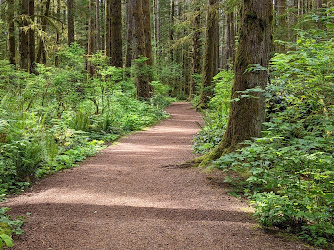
{"points": [[126, 198]]}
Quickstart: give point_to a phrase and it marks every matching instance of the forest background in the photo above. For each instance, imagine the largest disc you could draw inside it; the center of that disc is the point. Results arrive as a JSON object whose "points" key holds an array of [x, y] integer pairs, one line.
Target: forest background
{"points": [[76, 74]]}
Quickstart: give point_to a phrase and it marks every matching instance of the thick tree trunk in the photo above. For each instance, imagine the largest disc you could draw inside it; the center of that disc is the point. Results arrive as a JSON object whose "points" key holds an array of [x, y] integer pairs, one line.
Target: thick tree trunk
{"points": [[70, 22], [142, 85], [116, 33], [129, 29], [147, 31], [209, 54], [247, 114], [11, 32], [41, 52]]}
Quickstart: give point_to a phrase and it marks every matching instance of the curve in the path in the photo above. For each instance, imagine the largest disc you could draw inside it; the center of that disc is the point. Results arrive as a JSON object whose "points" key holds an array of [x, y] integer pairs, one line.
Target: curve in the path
{"points": [[126, 198]]}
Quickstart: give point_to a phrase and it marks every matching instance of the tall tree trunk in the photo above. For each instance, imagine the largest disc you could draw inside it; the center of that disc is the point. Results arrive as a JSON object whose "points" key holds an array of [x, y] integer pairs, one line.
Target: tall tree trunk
{"points": [[147, 31], [158, 28], [31, 38], [11, 32], [57, 35], [230, 39], [142, 85], [70, 22], [129, 29], [209, 54], [91, 34], [196, 49], [216, 40], [171, 32], [255, 39], [116, 33], [98, 28], [41, 52], [23, 36], [108, 28], [224, 44]]}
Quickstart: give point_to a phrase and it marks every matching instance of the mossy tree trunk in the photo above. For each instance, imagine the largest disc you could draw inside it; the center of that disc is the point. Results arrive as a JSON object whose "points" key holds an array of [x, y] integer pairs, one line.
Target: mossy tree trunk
{"points": [[247, 114], [209, 54], [41, 52], [23, 35], [142, 84]]}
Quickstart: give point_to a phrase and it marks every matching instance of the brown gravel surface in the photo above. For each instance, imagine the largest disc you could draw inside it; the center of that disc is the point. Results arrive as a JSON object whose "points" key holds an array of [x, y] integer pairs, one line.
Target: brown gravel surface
{"points": [[131, 196]]}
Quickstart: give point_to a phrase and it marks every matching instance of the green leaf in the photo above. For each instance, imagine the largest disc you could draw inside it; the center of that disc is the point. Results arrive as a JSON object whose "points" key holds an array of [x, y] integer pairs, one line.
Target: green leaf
{"points": [[7, 239]]}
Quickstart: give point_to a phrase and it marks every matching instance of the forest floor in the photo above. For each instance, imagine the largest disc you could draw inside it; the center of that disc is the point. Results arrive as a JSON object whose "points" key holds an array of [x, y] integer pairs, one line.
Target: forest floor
{"points": [[132, 195]]}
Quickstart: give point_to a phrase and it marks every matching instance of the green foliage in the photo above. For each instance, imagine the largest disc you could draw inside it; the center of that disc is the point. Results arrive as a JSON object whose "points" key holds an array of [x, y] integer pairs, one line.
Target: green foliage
{"points": [[216, 117], [289, 173], [57, 118], [8, 227]]}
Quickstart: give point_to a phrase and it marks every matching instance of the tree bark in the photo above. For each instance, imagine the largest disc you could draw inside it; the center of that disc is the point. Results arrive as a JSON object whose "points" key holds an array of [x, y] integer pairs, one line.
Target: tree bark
{"points": [[171, 32], [116, 33], [209, 54], [31, 38], [70, 22], [98, 28], [23, 35], [142, 84], [147, 31], [230, 39], [11, 32], [41, 53], [57, 35], [129, 28], [91, 34], [247, 114], [196, 49], [107, 27]]}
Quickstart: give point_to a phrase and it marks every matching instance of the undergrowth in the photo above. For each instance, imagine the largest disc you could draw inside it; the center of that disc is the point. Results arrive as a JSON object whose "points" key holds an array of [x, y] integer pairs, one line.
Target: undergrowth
{"points": [[288, 174], [55, 119]]}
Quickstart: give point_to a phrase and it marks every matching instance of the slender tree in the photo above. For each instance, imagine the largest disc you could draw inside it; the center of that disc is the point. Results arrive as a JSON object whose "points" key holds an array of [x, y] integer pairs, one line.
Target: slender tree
{"points": [[209, 54], [23, 35], [196, 48], [41, 52], [247, 113], [107, 37], [11, 30], [98, 26], [31, 38], [91, 34]]}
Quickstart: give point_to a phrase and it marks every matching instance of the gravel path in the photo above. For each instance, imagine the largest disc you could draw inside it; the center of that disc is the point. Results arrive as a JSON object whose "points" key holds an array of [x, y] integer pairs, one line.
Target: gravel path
{"points": [[132, 197]]}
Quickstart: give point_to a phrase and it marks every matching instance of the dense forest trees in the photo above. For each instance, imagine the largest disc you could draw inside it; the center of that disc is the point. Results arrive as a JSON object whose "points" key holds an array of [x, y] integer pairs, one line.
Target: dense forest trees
{"points": [[254, 68]]}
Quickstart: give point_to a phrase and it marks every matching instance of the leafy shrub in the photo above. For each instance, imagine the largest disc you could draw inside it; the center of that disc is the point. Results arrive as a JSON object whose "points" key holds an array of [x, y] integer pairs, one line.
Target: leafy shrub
{"points": [[288, 174]]}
